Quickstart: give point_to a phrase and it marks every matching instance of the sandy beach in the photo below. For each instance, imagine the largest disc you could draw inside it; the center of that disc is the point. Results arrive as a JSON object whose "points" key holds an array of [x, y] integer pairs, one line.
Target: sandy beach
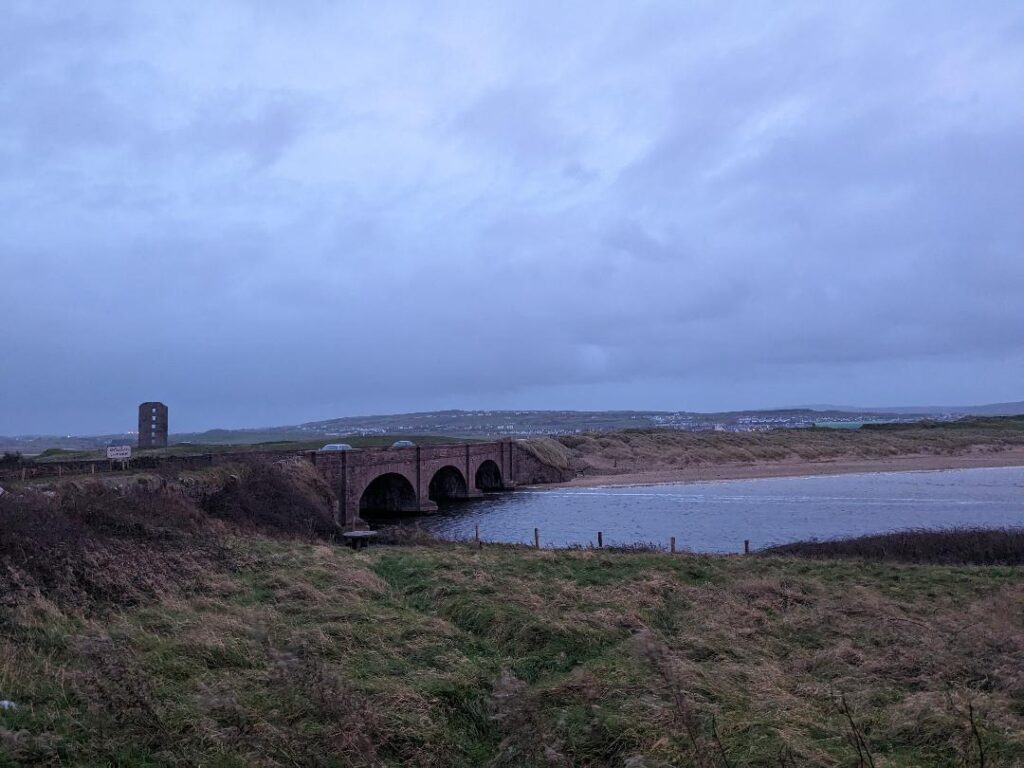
{"points": [[1010, 457]]}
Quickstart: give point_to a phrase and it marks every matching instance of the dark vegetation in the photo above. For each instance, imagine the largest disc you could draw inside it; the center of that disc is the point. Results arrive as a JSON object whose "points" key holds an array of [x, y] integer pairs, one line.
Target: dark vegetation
{"points": [[192, 621], [995, 423], [11, 459], [90, 546], [288, 497], [89, 543], [977, 546]]}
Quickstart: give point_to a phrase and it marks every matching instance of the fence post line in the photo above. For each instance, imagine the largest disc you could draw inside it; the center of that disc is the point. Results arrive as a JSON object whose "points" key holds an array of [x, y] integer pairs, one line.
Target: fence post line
{"points": [[746, 546], [673, 545], [600, 540], [536, 537]]}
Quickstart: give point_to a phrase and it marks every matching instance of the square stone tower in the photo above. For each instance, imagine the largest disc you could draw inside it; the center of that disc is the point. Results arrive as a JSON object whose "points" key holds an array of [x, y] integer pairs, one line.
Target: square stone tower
{"points": [[152, 425]]}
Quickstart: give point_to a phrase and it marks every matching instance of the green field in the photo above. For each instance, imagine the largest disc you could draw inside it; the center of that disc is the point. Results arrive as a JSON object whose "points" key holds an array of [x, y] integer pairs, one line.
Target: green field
{"points": [[300, 653]]}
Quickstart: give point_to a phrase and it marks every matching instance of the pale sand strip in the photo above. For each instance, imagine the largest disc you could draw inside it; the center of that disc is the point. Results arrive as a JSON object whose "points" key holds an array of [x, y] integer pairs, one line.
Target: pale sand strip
{"points": [[1010, 457]]}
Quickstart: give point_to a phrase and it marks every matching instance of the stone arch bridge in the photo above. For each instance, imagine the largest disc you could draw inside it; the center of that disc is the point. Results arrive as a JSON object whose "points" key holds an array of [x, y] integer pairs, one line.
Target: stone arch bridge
{"points": [[415, 478]]}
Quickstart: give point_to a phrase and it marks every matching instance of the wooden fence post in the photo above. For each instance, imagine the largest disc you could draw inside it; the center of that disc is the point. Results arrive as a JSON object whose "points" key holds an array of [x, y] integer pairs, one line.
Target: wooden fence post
{"points": [[477, 536], [536, 537], [746, 546], [673, 545], [600, 540]]}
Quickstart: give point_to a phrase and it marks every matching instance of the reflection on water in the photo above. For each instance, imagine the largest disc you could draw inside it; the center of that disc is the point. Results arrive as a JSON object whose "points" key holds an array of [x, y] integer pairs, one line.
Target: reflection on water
{"points": [[718, 516]]}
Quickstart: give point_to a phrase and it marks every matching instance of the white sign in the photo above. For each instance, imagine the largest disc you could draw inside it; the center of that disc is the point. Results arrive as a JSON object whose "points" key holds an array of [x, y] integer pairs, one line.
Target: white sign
{"points": [[119, 452]]}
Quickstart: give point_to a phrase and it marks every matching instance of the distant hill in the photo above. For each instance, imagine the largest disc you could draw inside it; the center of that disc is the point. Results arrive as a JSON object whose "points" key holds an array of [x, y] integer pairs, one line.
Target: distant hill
{"points": [[518, 423], [994, 409]]}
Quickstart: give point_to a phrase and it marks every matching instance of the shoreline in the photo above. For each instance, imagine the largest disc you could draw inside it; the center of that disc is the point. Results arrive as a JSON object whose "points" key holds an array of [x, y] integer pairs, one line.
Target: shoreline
{"points": [[1011, 457]]}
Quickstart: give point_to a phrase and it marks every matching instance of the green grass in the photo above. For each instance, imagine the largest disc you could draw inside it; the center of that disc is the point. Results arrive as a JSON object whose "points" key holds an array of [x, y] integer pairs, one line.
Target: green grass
{"points": [[295, 653]]}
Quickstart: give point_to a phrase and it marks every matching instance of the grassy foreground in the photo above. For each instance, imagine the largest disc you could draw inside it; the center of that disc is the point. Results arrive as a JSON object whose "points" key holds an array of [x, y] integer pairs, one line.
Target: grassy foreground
{"points": [[277, 651]]}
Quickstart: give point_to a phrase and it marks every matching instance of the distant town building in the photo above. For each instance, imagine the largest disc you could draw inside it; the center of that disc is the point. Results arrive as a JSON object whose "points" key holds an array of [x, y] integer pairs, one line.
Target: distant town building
{"points": [[152, 425]]}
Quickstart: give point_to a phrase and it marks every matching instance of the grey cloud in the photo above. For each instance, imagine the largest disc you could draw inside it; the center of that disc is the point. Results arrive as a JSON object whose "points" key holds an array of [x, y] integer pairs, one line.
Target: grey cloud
{"points": [[512, 206], [260, 127], [630, 237], [518, 124]]}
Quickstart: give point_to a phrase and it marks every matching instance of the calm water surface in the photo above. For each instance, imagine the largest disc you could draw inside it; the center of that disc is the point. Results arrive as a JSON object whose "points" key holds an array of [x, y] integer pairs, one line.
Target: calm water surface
{"points": [[717, 516]]}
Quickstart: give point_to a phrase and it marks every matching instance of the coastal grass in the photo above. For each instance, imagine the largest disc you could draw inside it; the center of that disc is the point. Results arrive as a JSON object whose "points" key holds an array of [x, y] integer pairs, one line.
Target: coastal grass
{"points": [[641, 450], [283, 651]]}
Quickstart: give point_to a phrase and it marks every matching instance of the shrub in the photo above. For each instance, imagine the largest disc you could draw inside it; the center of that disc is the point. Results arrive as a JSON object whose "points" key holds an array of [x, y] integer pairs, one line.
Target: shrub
{"points": [[977, 546], [10, 459]]}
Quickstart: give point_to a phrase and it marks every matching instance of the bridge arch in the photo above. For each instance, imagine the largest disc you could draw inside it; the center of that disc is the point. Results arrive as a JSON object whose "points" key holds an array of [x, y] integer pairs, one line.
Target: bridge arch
{"points": [[448, 483], [390, 493], [488, 476]]}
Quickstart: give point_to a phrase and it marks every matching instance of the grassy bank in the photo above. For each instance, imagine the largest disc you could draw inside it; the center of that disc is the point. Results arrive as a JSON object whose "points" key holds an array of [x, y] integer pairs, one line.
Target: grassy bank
{"points": [[645, 450], [142, 629]]}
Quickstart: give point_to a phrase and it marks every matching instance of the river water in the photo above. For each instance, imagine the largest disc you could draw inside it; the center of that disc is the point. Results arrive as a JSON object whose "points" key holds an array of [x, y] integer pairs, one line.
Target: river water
{"points": [[717, 516]]}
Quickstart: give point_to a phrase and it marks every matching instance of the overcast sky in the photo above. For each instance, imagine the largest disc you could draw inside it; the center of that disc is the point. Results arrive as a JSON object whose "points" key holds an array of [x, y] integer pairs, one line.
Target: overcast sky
{"points": [[266, 213]]}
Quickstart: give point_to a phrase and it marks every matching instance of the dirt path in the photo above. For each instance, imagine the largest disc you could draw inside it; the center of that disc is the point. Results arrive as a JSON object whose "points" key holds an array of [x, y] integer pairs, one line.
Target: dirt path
{"points": [[1011, 457]]}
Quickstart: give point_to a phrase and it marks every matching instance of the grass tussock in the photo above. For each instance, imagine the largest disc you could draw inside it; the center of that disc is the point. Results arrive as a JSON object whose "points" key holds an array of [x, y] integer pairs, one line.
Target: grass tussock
{"points": [[138, 630], [977, 546]]}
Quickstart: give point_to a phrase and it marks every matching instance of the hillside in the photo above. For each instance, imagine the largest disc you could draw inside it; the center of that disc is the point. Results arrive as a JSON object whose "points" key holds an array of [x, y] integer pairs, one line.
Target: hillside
{"points": [[992, 409]]}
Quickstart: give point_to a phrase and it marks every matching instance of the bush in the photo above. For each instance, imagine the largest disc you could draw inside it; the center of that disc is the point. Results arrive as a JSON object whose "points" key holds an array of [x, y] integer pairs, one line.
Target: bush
{"points": [[10, 459], [976, 546]]}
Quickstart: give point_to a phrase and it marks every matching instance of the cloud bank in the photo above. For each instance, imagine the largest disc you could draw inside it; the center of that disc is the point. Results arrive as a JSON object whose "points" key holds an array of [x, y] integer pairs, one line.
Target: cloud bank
{"points": [[267, 213]]}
